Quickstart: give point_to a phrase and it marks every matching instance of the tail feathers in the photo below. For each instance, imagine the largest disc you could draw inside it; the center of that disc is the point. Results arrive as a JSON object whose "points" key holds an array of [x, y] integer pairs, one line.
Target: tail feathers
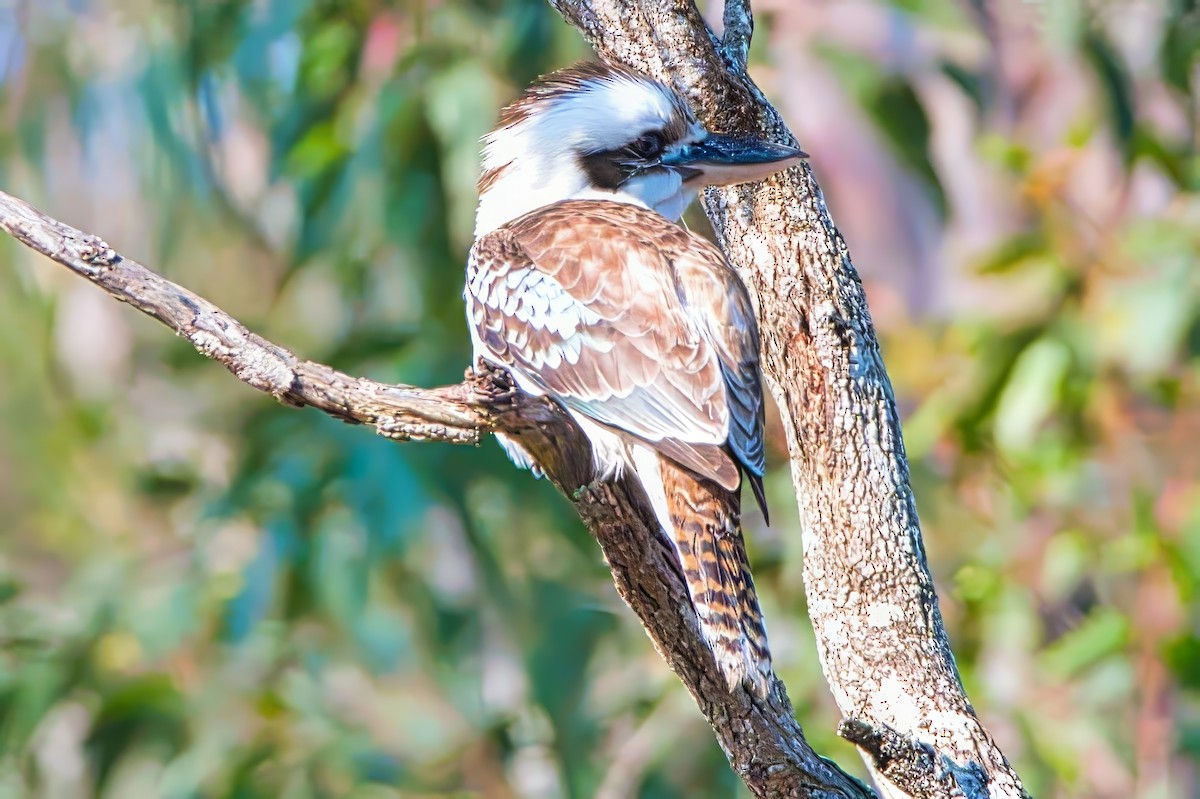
{"points": [[760, 495], [703, 521]]}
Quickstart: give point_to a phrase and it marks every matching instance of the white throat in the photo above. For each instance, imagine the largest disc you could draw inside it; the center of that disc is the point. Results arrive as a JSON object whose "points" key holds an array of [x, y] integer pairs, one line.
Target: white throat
{"points": [[526, 184]]}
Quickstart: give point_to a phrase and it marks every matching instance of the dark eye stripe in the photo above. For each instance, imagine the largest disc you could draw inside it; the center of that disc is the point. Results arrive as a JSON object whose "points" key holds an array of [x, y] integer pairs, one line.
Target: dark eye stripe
{"points": [[607, 169], [610, 169]]}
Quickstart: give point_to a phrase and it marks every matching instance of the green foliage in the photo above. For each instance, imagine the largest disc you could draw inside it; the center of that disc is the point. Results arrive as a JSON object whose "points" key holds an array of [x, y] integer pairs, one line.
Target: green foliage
{"points": [[206, 595]]}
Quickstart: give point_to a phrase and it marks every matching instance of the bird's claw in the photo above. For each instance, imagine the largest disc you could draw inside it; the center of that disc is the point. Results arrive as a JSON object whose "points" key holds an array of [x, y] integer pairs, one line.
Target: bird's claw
{"points": [[494, 380]]}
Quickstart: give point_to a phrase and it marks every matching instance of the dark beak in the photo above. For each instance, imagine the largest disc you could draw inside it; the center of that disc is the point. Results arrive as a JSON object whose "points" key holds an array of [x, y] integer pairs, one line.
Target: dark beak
{"points": [[724, 160]]}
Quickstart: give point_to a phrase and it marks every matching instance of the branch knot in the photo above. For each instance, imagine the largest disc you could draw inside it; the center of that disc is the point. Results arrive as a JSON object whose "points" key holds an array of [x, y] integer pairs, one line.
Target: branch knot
{"points": [[914, 765], [95, 251]]}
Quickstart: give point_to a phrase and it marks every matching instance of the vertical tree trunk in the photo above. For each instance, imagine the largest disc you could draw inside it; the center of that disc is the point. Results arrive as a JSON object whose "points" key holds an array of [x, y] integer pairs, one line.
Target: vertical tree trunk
{"points": [[870, 594]]}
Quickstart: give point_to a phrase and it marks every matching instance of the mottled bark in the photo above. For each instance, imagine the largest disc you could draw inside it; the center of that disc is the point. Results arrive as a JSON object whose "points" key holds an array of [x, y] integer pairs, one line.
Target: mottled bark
{"points": [[870, 594]]}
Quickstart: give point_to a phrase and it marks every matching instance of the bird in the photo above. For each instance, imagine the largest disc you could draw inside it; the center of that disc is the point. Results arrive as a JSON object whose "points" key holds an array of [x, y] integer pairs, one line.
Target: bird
{"points": [[585, 287]]}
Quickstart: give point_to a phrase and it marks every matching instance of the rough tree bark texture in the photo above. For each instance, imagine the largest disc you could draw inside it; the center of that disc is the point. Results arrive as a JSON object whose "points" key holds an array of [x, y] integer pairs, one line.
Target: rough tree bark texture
{"points": [[870, 594]]}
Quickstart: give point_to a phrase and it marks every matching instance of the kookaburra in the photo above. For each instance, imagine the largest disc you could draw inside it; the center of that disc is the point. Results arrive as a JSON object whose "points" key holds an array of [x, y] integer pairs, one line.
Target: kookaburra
{"points": [[583, 286]]}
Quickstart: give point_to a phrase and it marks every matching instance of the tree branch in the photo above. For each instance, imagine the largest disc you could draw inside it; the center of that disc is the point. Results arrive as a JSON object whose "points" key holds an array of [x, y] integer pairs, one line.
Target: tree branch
{"points": [[459, 414], [735, 40], [763, 741], [871, 597]]}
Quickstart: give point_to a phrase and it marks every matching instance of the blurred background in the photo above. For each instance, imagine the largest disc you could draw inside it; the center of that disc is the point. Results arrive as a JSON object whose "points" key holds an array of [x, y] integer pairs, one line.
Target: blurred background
{"points": [[203, 594]]}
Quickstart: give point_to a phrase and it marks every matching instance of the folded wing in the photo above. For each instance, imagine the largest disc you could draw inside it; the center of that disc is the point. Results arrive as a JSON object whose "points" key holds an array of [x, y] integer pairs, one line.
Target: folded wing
{"points": [[583, 301]]}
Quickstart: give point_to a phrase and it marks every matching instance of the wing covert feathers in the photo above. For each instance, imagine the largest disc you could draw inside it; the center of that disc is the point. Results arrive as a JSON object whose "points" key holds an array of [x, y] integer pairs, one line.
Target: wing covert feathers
{"points": [[630, 320]]}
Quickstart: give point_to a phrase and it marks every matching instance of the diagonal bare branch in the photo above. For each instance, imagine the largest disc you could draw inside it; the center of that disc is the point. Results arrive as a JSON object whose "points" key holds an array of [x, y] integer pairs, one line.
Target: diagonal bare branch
{"points": [[763, 741], [458, 414], [735, 41]]}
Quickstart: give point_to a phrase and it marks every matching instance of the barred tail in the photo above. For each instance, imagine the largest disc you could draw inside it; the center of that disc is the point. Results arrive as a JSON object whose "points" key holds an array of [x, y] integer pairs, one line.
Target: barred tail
{"points": [[703, 520]]}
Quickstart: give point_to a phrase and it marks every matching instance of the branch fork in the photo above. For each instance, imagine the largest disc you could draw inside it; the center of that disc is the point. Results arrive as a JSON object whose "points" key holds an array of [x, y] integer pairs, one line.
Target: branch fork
{"points": [[822, 363]]}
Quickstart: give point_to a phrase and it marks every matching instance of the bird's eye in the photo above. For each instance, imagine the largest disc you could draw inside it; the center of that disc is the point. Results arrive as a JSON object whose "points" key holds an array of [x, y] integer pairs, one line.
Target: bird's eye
{"points": [[648, 145]]}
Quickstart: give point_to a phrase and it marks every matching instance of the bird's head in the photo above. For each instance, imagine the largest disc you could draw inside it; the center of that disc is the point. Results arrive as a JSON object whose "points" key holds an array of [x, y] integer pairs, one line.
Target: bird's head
{"points": [[605, 132]]}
